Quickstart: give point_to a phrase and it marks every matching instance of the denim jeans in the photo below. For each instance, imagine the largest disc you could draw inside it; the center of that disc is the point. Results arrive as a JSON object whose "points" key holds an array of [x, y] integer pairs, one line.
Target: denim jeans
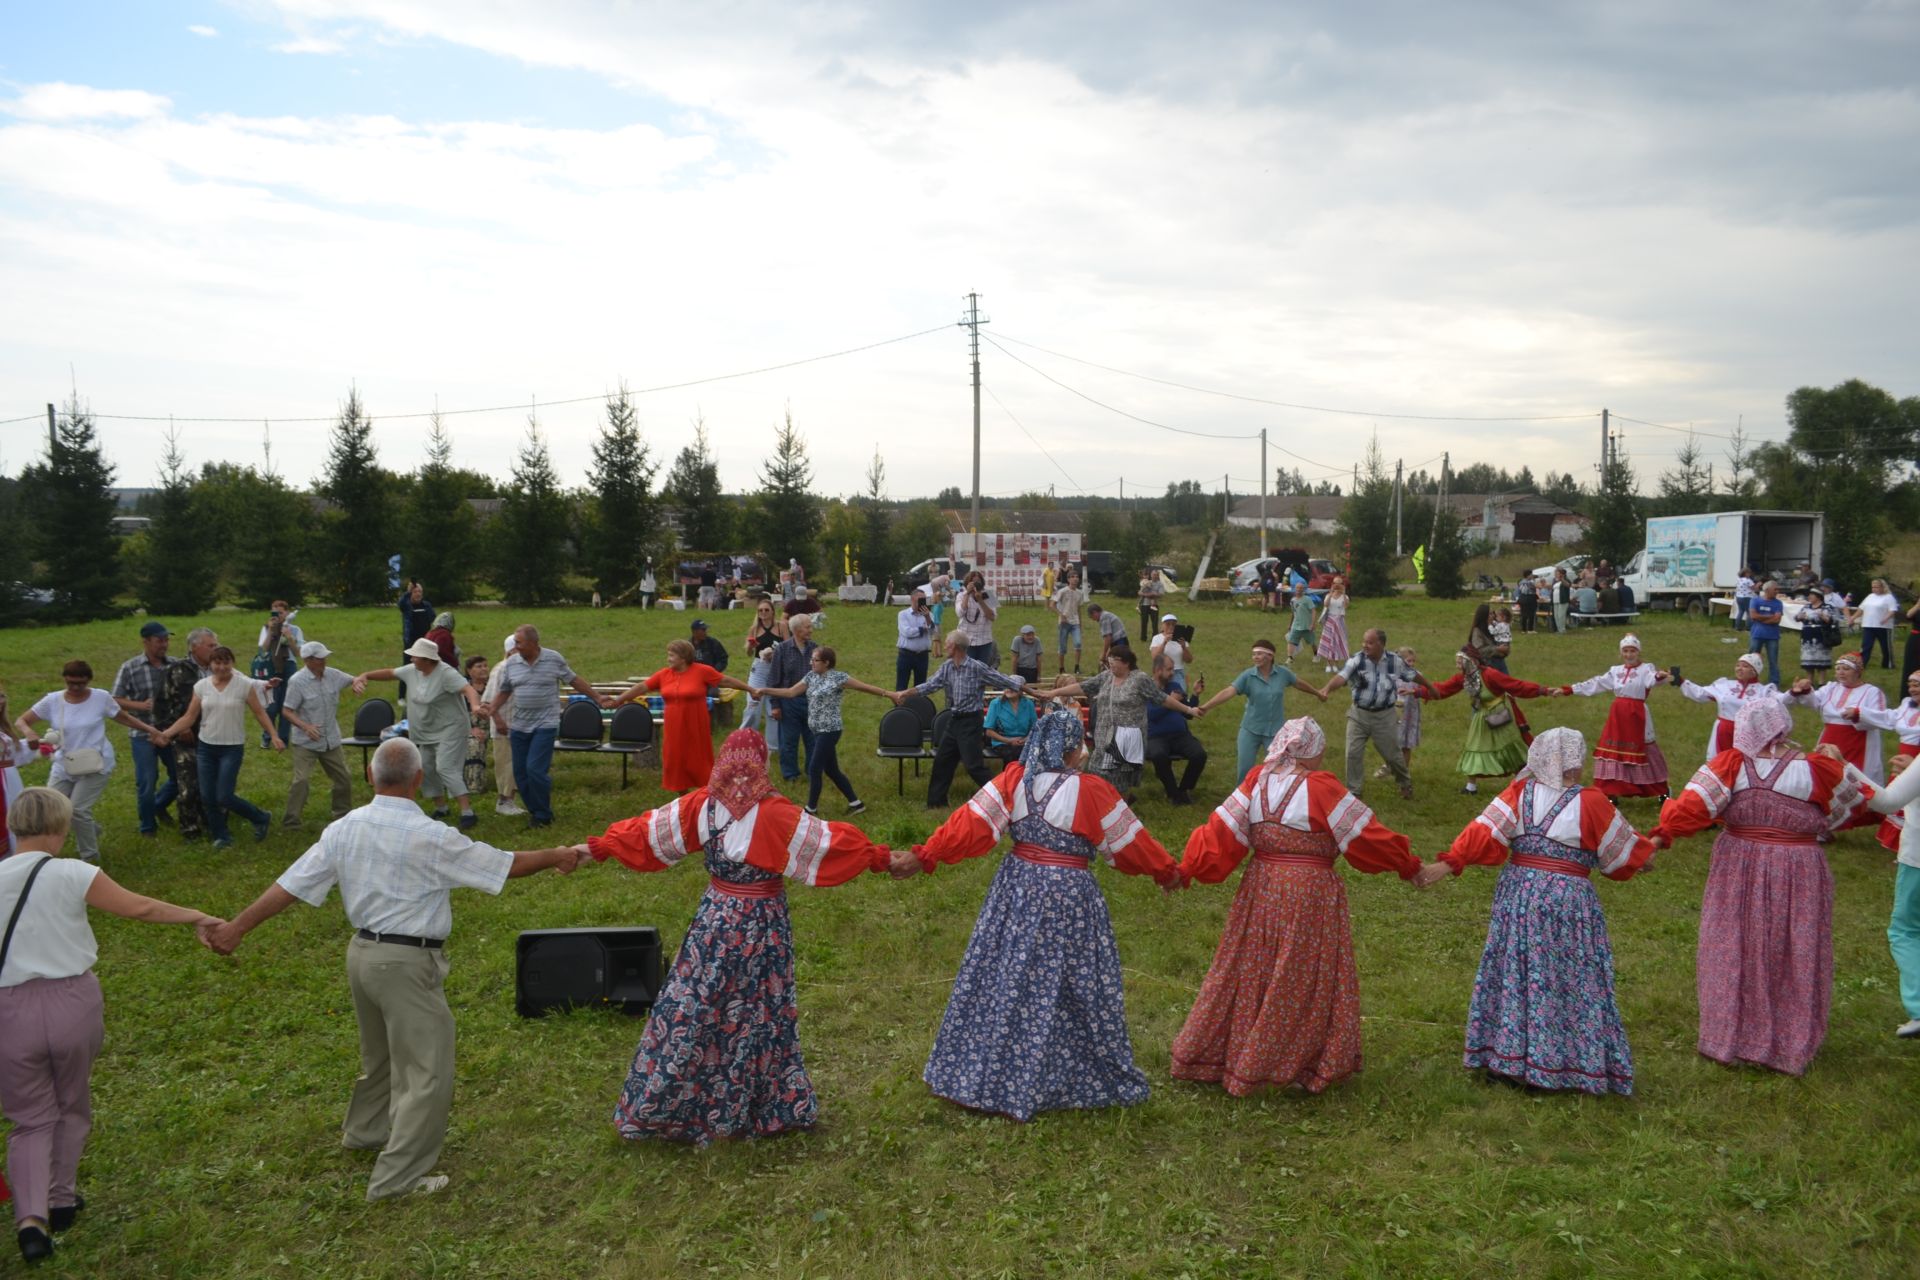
{"points": [[533, 770], [147, 762], [823, 761], [1740, 612], [219, 776], [794, 735], [1771, 648]]}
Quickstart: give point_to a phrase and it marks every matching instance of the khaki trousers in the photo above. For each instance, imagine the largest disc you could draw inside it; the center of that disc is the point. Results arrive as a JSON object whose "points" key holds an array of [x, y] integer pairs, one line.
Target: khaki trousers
{"points": [[405, 1087], [1382, 729], [334, 763], [503, 768]]}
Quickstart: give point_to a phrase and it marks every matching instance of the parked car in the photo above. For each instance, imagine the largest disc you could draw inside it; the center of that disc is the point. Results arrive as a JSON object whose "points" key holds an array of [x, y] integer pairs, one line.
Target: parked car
{"points": [[1318, 573], [1572, 564], [924, 572]]}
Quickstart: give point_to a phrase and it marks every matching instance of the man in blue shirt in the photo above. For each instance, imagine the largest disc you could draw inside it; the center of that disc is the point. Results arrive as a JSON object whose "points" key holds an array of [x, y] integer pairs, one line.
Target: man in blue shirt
{"points": [[1169, 739], [1764, 612]]}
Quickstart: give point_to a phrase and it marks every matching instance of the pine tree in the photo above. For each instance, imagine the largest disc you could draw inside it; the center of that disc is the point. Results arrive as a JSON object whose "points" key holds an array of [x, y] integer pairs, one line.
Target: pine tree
{"points": [[1367, 520], [790, 518], [530, 537], [15, 557], [358, 529], [1618, 530], [692, 493], [1687, 489], [624, 516], [69, 505], [877, 559], [179, 576], [1446, 556], [442, 534]]}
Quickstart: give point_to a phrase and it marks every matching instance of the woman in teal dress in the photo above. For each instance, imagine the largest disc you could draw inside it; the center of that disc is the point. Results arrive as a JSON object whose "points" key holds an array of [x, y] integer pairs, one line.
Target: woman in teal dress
{"points": [[1264, 686], [1494, 747]]}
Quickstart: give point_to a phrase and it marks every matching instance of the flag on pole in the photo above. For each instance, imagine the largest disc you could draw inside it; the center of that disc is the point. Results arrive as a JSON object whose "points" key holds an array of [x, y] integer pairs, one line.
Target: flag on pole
{"points": [[1420, 563]]}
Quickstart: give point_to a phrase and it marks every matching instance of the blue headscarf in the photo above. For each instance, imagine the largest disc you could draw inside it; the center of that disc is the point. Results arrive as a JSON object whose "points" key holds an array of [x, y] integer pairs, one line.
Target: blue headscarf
{"points": [[1053, 737]]}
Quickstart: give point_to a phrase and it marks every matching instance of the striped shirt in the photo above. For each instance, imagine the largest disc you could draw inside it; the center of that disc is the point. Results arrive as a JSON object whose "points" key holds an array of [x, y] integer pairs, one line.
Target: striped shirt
{"points": [[1375, 682], [965, 682]]}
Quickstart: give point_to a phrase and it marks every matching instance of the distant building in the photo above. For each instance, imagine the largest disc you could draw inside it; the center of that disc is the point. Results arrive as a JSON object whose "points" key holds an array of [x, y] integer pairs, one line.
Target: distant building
{"points": [[1491, 517]]}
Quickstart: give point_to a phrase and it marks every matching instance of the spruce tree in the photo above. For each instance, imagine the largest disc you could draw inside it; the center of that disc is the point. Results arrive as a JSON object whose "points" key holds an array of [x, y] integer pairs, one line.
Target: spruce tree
{"points": [[692, 493], [1367, 520], [1446, 556], [178, 576], [359, 528], [70, 505], [1618, 530], [789, 521], [625, 518], [442, 541], [530, 537], [266, 563], [877, 560]]}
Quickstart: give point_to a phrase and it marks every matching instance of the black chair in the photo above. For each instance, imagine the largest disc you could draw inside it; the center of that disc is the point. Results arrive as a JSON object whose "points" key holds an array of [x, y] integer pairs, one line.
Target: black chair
{"points": [[374, 716], [901, 741], [922, 707], [630, 734], [581, 727], [939, 730]]}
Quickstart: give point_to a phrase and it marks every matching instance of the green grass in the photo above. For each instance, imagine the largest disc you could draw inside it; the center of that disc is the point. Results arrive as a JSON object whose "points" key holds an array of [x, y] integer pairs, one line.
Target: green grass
{"points": [[218, 1099]]}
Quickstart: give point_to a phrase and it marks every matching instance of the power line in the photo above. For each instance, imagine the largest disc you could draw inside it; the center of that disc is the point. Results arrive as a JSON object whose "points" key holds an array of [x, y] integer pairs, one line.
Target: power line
{"points": [[1185, 431], [1283, 404], [548, 404], [1029, 435]]}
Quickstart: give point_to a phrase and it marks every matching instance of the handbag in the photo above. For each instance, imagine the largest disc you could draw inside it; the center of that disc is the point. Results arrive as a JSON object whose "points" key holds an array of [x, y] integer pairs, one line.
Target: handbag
{"points": [[1500, 715], [79, 762], [18, 903]]}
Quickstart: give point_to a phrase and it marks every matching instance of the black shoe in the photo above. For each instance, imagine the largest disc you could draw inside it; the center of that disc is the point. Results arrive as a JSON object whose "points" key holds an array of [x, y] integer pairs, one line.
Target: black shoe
{"points": [[1181, 797], [148, 832], [35, 1244], [163, 816], [262, 828], [61, 1216], [468, 821], [856, 806]]}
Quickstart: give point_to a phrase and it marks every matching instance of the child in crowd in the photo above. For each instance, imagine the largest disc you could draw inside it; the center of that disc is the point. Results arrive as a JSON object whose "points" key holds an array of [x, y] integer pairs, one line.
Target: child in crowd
{"points": [[1500, 627], [1409, 700]]}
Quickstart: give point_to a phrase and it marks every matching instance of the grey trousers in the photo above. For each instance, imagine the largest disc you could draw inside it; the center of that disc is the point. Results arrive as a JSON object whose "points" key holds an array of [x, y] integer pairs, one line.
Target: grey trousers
{"points": [[405, 1087], [84, 791], [333, 762], [1383, 730]]}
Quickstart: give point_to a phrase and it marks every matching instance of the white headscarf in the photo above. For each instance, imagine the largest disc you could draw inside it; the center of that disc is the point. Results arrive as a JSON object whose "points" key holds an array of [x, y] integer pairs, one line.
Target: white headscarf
{"points": [[1754, 661], [1629, 639], [1759, 725], [1299, 739], [1554, 754]]}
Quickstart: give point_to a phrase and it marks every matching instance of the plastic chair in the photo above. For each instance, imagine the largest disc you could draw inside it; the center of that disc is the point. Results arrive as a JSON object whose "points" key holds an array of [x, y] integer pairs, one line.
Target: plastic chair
{"points": [[374, 716], [629, 734], [901, 741]]}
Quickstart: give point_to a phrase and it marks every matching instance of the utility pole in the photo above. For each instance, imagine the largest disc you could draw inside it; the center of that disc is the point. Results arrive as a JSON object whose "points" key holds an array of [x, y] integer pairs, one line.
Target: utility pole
{"points": [[1226, 499], [1396, 509], [49, 433], [1441, 503], [1123, 497], [973, 320], [1606, 445], [1263, 493]]}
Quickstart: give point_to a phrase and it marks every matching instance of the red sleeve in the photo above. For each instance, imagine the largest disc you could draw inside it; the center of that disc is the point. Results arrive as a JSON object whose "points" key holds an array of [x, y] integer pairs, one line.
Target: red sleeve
{"points": [[1444, 688], [1216, 848], [1698, 806], [655, 680], [976, 826], [708, 676], [653, 841], [1366, 843], [1619, 850], [1101, 817], [1845, 797], [1484, 841], [799, 846], [1500, 682]]}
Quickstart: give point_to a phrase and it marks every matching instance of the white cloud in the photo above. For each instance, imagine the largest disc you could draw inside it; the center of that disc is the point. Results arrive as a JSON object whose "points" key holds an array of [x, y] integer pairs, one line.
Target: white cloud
{"points": [[310, 44], [63, 102], [203, 31]]}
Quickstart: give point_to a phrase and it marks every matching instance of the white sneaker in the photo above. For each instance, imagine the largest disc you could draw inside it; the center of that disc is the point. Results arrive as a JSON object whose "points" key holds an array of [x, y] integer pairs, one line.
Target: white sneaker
{"points": [[508, 809], [1909, 1030], [431, 1183], [1471, 789]]}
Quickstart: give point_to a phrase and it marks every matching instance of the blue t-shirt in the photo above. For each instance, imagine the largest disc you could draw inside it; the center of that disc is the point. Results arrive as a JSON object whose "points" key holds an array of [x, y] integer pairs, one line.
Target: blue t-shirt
{"points": [[1007, 720], [1764, 616]]}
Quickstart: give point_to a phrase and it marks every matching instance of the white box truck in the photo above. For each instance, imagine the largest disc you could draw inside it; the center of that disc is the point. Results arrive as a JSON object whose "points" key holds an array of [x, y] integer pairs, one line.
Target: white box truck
{"points": [[1688, 560]]}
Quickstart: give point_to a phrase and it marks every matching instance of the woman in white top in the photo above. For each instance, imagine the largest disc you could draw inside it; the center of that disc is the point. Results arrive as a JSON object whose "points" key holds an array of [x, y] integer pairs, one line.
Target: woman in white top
{"points": [[14, 752], [1875, 616], [1178, 650], [221, 704], [78, 719], [1729, 695], [50, 1009]]}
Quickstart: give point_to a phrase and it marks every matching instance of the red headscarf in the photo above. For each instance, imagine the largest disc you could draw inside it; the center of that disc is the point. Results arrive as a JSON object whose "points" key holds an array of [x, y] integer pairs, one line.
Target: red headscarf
{"points": [[739, 779]]}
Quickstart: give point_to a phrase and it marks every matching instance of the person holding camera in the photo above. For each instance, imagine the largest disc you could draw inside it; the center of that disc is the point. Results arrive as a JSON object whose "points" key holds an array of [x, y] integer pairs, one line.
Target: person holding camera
{"points": [[914, 647], [275, 661], [1176, 641], [977, 608]]}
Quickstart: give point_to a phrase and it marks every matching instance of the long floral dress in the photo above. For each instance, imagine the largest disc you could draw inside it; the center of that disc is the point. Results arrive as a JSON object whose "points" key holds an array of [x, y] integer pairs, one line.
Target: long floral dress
{"points": [[1037, 1021], [720, 1057], [1543, 1008], [1765, 966], [1333, 631], [1281, 1002]]}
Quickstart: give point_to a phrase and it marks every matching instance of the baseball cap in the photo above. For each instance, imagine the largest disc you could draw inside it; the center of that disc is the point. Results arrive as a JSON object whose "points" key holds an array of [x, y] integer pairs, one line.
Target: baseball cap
{"points": [[314, 649], [698, 624], [1028, 630], [152, 629]]}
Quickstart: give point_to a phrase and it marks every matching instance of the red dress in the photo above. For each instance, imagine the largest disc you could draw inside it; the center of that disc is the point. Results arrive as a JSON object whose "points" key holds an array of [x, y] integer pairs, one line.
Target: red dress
{"points": [[686, 745], [1281, 1004]]}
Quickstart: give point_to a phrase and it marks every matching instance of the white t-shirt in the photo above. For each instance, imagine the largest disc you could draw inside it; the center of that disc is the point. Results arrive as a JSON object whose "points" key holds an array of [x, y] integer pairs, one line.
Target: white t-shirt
{"points": [[1174, 650], [1067, 602], [223, 713], [1877, 610], [81, 724], [53, 938]]}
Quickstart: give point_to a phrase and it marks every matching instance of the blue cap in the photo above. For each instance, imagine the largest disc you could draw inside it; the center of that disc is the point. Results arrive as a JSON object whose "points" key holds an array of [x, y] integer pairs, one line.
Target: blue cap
{"points": [[152, 629], [698, 624]]}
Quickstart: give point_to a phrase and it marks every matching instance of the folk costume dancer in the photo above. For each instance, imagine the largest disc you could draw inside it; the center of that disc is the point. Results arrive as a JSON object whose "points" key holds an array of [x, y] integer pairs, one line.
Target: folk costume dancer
{"points": [[1765, 964], [1846, 693], [1281, 1002], [1037, 1021], [1543, 1010], [1729, 695], [1628, 761], [1494, 747], [720, 1057], [1904, 721]]}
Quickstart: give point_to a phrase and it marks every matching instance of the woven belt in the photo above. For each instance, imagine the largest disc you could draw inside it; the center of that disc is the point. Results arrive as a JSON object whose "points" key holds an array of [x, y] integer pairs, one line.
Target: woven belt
{"points": [[402, 940], [1295, 859], [1559, 866], [1772, 835], [758, 889], [1044, 857]]}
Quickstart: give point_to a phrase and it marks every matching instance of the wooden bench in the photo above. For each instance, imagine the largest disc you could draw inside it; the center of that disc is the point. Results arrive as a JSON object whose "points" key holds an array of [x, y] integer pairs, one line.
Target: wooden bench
{"points": [[1594, 619]]}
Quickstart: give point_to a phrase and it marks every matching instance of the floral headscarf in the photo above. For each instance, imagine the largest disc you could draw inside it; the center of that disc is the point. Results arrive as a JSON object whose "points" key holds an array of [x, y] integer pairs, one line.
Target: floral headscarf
{"points": [[1554, 754], [739, 779], [1469, 663], [1759, 725], [1299, 739], [1054, 737]]}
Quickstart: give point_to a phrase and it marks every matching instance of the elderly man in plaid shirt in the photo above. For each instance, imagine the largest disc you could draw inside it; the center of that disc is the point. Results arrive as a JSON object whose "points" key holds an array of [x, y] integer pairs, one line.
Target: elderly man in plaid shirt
{"points": [[965, 679], [140, 683]]}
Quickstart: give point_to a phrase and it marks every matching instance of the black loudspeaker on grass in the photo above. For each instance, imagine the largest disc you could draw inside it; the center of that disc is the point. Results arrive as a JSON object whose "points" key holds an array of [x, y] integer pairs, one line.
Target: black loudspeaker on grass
{"points": [[618, 968]]}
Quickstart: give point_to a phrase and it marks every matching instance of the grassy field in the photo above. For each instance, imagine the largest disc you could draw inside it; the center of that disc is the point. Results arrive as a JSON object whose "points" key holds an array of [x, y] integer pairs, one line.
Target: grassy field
{"points": [[218, 1100]]}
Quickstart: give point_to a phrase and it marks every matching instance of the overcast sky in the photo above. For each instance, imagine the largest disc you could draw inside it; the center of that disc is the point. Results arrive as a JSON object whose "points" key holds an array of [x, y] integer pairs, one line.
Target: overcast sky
{"points": [[1443, 212]]}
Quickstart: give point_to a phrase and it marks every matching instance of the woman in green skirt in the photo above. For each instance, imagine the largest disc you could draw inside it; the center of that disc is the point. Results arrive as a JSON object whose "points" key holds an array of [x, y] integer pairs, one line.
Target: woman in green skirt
{"points": [[1495, 747]]}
